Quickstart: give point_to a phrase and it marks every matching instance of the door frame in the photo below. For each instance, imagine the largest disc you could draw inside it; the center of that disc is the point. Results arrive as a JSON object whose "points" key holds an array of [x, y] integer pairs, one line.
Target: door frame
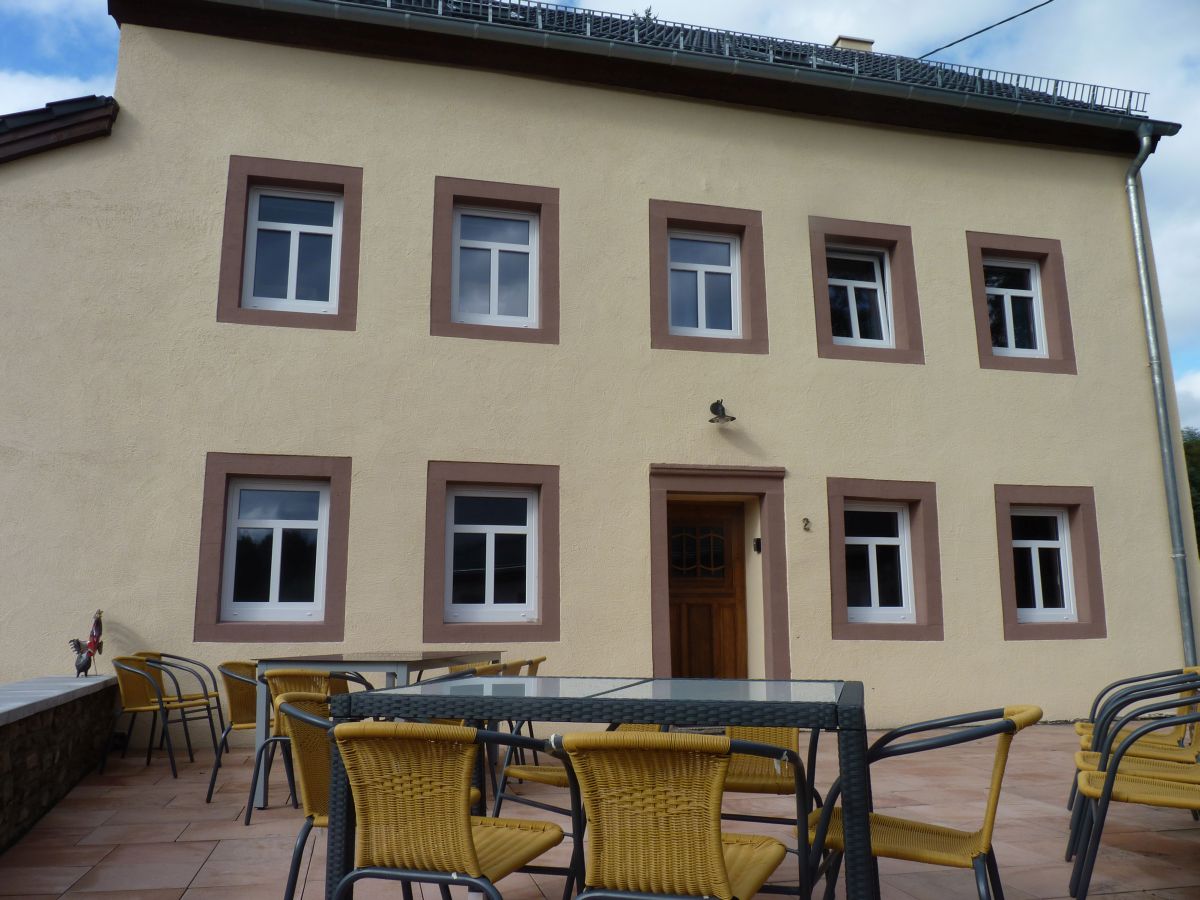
{"points": [[763, 482]]}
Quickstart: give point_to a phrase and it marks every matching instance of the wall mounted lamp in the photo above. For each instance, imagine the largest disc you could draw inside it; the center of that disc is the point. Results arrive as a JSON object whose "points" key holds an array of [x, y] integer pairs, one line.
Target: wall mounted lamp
{"points": [[720, 417]]}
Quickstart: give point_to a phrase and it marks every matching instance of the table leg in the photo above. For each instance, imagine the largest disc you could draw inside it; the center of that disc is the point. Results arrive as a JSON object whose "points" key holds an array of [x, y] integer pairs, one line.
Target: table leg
{"points": [[340, 846], [862, 870], [262, 717]]}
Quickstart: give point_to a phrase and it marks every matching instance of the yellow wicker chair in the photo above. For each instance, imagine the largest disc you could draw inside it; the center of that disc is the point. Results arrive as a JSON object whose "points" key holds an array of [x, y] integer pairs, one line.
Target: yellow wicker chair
{"points": [[240, 691], [141, 692], [411, 788], [305, 720], [914, 841], [653, 805], [1099, 789], [208, 688], [1121, 692], [163, 669]]}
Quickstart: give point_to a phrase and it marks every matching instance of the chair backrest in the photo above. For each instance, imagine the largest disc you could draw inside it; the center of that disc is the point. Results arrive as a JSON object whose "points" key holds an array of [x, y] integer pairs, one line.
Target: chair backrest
{"points": [[311, 752], [153, 671], [653, 804], [760, 766], [240, 695], [1021, 717], [490, 669], [135, 689], [513, 667], [411, 786], [300, 681], [532, 665]]}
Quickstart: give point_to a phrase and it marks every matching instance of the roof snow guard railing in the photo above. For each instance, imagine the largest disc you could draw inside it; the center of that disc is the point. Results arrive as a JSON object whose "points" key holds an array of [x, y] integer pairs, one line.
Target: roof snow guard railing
{"points": [[651, 32]]}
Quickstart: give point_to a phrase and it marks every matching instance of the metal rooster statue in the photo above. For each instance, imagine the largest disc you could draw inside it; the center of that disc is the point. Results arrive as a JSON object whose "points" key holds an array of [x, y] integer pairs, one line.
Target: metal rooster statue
{"points": [[95, 646]]}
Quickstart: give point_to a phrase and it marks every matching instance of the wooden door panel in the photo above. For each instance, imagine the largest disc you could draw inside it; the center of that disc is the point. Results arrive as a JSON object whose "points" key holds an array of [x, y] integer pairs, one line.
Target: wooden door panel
{"points": [[706, 575]]}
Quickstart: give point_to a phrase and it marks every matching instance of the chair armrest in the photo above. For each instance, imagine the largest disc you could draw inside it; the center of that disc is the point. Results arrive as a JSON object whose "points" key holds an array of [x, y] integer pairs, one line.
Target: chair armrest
{"points": [[166, 669], [1115, 765], [153, 684], [1137, 694], [195, 663], [180, 667], [306, 717], [238, 677], [1133, 679], [930, 725], [1106, 745]]}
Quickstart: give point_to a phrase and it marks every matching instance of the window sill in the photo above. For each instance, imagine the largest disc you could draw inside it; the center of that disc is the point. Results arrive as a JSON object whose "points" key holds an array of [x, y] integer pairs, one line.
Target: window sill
{"points": [[887, 631], [525, 333], [245, 315], [475, 632], [862, 353], [269, 632], [709, 344], [1054, 631]]}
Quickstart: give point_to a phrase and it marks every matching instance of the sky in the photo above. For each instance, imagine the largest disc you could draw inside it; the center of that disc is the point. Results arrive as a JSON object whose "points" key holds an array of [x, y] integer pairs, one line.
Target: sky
{"points": [[55, 49]]}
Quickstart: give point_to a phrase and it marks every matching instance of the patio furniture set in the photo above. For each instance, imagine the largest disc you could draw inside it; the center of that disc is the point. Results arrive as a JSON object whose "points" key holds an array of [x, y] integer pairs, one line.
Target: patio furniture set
{"points": [[400, 776]]}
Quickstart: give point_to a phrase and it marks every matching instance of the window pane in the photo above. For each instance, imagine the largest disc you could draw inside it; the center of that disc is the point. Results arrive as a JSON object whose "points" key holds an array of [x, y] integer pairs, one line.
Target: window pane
{"points": [[1007, 277], [858, 576], [298, 566], [487, 228], [996, 321], [469, 560], [252, 565], [718, 301], [1024, 326], [1050, 566], [870, 320], [263, 504], [510, 581], [312, 267], [839, 310], [705, 253], [295, 211], [684, 305], [474, 281], [851, 269], [490, 510], [869, 523], [1034, 528], [514, 284], [1023, 575], [887, 570], [684, 550], [271, 252]]}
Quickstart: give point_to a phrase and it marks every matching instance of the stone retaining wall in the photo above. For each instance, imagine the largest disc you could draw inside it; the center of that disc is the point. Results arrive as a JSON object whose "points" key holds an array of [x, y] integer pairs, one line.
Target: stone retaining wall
{"points": [[52, 733]]}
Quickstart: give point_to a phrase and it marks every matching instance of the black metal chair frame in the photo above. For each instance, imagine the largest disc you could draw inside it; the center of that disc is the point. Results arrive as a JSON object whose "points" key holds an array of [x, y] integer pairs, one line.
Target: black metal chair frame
{"points": [[445, 880], [212, 688], [987, 872], [804, 800], [225, 732], [1095, 813], [166, 721]]}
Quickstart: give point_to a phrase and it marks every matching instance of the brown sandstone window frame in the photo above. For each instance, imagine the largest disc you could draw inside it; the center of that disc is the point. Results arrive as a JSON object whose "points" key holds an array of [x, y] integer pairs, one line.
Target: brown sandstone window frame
{"points": [[544, 202], [1080, 504], [248, 172], [667, 216], [1056, 311], [219, 470], [921, 499], [896, 242], [443, 475]]}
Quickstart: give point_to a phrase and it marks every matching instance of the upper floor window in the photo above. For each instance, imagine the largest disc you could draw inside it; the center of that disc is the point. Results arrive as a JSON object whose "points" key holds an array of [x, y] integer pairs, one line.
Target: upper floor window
{"points": [[878, 563], [276, 544], [1014, 304], [495, 267], [491, 555], [293, 249], [859, 309], [1041, 548], [704, 285]]}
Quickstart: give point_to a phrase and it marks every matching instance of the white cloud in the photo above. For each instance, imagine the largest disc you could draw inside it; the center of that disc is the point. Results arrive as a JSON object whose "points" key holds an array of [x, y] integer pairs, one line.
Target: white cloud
{"points": [[1187, 391], [20, 91]]}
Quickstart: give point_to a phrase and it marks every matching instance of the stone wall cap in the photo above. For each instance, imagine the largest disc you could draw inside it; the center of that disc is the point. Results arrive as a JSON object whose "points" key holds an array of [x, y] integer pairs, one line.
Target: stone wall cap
{"points": [[21, 699]]}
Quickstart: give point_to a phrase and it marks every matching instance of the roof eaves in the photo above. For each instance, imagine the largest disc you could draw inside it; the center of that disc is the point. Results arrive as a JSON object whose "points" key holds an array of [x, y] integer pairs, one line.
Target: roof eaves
{"points": [[56, 124]]}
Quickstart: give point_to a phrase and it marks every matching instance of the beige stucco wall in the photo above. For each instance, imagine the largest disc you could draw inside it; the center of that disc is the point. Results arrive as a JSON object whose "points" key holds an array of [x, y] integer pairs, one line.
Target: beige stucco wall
{"points": [[118, 379]]}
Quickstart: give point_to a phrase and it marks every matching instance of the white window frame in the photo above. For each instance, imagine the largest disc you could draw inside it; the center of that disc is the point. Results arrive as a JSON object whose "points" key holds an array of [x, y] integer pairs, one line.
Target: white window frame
{"points": [[875, 613], [273, 610], [882, 285], [1035, 292], [733, 270], [1069, 612], [489, 611], [493, 317], [290, 303]]}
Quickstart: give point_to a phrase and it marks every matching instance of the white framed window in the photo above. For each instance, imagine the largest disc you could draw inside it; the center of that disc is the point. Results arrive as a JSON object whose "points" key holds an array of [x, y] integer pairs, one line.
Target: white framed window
{"points": [[491, 555], [1041, 547], [1014, 304], [293, 250], [495, 267], [276, 550], [705, 289], [860, 308], [879, 580]]}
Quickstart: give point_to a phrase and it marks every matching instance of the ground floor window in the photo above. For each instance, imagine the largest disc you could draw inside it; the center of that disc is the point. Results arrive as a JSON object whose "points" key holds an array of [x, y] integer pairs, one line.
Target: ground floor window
{"points": [[1041, 548], [491, 555], [878, 562]]}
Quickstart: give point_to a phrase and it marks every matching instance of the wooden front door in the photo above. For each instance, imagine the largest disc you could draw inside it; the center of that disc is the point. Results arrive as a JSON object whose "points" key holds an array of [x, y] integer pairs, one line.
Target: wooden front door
{"points": [[706, 563]]}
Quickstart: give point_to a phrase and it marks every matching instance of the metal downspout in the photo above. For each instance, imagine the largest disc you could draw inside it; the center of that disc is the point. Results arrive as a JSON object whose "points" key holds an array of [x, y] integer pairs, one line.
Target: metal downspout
{"points": [[1166, 443]]}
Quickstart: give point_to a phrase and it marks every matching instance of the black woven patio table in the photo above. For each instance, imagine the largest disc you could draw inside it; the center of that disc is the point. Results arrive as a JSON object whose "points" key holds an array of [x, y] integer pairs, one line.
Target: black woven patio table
{"points": [[827, 705]]}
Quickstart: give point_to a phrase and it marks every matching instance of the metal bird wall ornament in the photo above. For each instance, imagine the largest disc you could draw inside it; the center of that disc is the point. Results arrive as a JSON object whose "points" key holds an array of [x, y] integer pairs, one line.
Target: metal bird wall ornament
{"points": [[84, 653]]}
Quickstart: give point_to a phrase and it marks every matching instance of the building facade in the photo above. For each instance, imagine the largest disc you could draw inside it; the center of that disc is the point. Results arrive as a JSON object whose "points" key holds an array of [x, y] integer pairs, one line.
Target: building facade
{"points": [[361, 334]]}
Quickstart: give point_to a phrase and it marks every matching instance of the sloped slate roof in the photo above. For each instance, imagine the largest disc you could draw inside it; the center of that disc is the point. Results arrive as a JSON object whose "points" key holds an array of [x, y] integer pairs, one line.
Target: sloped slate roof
{"points": [[56, 125]]}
